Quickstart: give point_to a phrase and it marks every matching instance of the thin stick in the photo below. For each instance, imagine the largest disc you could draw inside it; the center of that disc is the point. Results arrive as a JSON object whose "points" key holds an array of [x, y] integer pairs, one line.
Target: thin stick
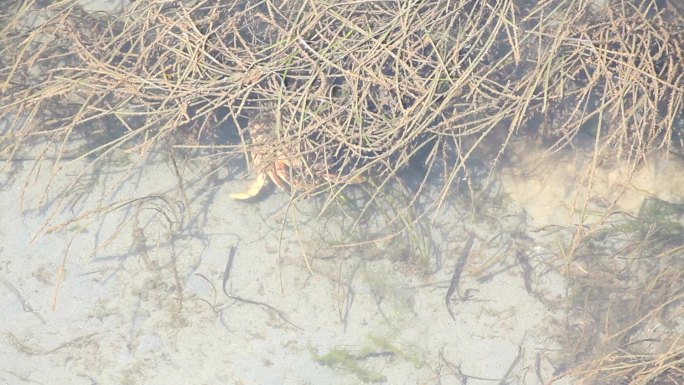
{"points": [[60, 275]]}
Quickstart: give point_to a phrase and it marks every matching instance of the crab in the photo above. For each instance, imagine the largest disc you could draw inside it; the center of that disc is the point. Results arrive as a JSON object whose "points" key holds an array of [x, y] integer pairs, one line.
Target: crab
{"points": [[287, 172], [269, 166]]}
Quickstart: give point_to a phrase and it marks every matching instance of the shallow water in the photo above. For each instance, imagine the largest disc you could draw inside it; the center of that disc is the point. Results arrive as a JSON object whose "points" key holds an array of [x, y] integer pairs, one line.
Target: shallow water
{"points": [[122, 279], [134, 294]]}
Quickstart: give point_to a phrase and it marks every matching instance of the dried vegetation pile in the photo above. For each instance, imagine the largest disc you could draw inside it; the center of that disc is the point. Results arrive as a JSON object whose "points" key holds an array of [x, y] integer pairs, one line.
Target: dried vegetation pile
{"points": [[348, 87]]}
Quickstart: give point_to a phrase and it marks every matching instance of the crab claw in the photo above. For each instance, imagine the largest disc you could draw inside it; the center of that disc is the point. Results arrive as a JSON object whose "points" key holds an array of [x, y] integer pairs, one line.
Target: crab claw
{"points": [[253, 189]]}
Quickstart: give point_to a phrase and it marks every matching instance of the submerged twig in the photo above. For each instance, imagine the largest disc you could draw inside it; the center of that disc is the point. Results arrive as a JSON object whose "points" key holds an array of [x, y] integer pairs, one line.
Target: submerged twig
{"points": [[456, 276], [226, 274], [24, 303]]}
